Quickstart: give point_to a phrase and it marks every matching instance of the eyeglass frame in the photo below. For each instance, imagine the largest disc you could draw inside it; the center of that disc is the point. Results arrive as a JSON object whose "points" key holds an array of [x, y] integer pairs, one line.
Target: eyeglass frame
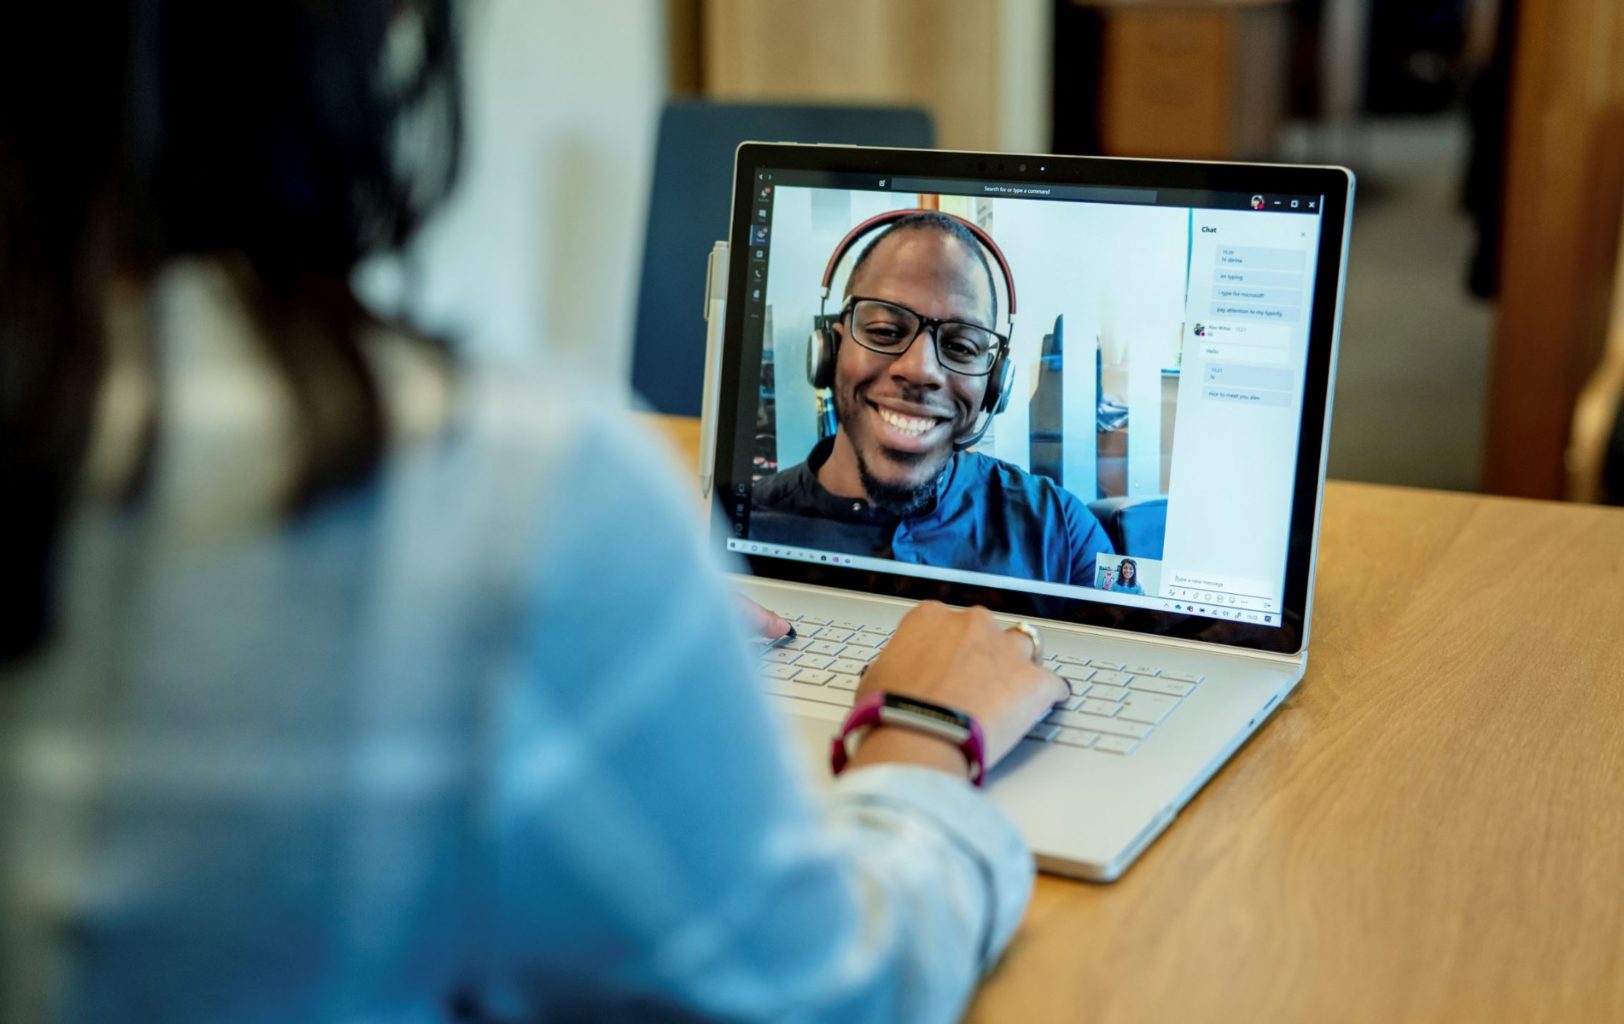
{"points": [[930, 323]]}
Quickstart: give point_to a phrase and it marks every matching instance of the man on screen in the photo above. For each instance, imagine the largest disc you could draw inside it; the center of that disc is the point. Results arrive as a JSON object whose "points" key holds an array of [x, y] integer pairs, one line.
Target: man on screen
{"points": [[914, 354]]}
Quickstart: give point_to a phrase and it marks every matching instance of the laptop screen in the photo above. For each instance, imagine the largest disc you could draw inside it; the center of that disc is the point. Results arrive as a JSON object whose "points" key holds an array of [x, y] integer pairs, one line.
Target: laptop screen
{"points": [[1089, 392]]}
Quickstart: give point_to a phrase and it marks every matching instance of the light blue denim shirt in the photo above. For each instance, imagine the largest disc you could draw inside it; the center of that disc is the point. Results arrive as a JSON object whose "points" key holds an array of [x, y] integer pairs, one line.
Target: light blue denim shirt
{"points": [[481, 742]]}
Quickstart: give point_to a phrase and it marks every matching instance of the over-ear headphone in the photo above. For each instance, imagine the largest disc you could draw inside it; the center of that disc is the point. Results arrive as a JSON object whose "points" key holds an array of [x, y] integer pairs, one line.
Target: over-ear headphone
{"points": [[821, 349]]}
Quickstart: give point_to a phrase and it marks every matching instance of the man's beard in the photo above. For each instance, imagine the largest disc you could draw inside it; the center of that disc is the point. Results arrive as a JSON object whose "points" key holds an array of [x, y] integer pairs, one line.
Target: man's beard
{"points": [[898, 499]]}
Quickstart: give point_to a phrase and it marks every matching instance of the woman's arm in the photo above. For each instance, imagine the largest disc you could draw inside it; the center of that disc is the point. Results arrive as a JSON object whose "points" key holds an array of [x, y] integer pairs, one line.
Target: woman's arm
{"points": [[656, 848]]}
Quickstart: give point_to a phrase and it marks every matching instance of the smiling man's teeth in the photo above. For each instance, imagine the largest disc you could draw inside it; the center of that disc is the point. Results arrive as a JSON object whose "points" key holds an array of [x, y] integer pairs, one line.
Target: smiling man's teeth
{"points": [[913, 426]]}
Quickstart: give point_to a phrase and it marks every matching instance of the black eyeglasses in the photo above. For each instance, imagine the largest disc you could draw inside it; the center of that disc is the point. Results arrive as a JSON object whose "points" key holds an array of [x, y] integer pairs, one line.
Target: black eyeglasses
{"points": [[891, 329]]}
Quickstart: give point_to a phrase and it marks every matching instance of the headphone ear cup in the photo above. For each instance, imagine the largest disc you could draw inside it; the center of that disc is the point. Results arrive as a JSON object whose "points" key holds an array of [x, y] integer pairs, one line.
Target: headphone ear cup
{"points": [[1000, 383], [820, 355]]}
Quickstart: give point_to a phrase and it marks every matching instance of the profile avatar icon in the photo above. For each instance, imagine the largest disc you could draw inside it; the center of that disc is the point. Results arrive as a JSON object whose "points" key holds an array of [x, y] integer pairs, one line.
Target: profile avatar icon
{"points": [[1257, 202], [1200, 330]]}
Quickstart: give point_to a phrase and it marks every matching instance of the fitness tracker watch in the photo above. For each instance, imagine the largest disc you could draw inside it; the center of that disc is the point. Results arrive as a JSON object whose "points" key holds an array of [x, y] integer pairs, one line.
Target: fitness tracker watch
{"points": [[956, 727]]}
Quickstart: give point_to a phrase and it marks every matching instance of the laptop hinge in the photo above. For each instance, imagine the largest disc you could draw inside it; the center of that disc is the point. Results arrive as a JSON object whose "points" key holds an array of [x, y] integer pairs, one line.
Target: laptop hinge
{"points": [[1116, 635]]}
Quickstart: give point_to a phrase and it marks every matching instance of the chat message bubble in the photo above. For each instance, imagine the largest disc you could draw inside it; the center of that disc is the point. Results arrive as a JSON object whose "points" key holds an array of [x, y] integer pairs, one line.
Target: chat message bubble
{"points": [[1275, 314], [1266, 296], [1246, 396], [1256, 257], [1233, 375], [1224, 352], [1242, 333], [1260, 278]]}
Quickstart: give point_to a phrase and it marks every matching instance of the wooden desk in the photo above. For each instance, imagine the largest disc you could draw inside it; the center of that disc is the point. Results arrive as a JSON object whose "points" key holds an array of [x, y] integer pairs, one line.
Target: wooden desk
{"points": [[1431, 829]]}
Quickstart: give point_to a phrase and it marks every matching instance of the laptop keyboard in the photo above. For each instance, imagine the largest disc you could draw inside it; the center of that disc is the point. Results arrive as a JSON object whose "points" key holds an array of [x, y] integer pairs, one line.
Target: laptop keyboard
{"points": [[1113, 707]]}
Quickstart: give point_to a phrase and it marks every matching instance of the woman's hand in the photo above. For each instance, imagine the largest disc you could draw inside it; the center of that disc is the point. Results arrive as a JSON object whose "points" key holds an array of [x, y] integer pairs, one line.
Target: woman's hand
{"points": [[965, 660], [764, 622]]}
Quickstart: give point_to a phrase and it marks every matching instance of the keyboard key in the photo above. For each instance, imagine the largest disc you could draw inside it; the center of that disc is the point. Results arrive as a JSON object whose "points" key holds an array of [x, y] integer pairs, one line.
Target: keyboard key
{"points": [[1098, 723], [860, 653], [1096, 691], [1111, 678], [1116, 744], [1114, 666], [1077, 689], [798, 644], [813, 676], [1140, 670], [1071, 703], [825, 647], [1093, 706], [812, 620], [813, 661], [1043, 732], [772, 671], [1183, 677], [1077, 737], [1071, 659], [850, 666], [844, 624], [834, 633], [1147, 707], [1075, 673], [780, 656], [869, 639], [1161, 686], [840, 681], [806, 691]]}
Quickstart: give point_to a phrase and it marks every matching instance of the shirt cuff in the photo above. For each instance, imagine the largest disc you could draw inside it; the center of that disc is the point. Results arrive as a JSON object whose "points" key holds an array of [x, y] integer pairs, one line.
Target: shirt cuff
{"points": [[969, 822]]}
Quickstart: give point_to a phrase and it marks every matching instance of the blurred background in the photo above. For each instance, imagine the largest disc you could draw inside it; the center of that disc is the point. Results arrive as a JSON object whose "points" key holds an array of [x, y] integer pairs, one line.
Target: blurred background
{"points": [[1483, 342]]}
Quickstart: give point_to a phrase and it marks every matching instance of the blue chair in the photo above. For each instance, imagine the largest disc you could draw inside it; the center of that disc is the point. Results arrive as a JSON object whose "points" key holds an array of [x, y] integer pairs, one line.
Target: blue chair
{"points": [[688, 210]]}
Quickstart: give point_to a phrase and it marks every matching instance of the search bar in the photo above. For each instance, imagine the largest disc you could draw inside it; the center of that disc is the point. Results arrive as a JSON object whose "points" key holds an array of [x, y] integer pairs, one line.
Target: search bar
{"points": [[1025, 190]]}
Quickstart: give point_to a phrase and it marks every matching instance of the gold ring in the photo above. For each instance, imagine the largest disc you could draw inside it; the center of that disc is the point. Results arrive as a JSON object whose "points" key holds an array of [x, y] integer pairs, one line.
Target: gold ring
{"points": [[1031, 633]]}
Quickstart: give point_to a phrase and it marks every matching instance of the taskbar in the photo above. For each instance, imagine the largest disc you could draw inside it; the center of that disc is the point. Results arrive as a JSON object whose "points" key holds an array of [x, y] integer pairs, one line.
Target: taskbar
{"points": [[1182, 606]]}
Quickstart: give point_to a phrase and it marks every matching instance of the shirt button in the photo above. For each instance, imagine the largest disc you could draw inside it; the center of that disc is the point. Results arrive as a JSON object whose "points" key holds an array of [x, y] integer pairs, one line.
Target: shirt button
{"points": [[857, 506]]}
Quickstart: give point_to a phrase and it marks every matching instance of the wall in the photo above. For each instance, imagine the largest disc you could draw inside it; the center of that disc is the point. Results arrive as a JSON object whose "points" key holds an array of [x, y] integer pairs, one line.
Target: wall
{"points": [[540, 244], [981, 68]]}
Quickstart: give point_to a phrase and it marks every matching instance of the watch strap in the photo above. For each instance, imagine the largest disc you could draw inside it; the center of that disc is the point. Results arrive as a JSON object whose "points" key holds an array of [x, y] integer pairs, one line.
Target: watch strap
{"points": [[881, 708]]}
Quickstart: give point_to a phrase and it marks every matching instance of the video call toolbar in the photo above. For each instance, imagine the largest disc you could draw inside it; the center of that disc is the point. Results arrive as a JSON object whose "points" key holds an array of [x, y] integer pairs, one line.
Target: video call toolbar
{"points": [[1216, 609], [1269, 202]]}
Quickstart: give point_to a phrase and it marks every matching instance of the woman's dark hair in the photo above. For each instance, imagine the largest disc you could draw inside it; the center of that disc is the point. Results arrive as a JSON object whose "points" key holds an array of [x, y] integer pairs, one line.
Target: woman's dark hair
{"points": [[289, 139]]}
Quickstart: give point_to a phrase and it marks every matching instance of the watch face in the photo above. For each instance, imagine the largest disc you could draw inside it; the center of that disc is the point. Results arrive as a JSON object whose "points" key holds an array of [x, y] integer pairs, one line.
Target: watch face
{"points": [[946, 718], [956, 727]]}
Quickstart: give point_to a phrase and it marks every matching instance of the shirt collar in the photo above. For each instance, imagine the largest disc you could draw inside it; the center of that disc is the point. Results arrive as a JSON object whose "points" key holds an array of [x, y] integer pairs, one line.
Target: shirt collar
{"points": [[857, 509]]}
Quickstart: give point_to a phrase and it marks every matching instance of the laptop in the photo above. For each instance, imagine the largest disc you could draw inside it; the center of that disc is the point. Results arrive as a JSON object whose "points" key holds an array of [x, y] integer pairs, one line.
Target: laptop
{"points": [[1091, 394]]}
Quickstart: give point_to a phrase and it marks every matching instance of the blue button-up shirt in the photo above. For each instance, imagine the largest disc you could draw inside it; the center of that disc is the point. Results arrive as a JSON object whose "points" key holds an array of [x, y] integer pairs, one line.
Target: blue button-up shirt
{"points": [[988, 516]]}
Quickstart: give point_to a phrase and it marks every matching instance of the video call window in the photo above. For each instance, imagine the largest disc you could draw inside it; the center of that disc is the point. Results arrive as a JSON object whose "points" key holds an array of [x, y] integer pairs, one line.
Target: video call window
{"points": [[1039, 447], [1098, 336]]}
